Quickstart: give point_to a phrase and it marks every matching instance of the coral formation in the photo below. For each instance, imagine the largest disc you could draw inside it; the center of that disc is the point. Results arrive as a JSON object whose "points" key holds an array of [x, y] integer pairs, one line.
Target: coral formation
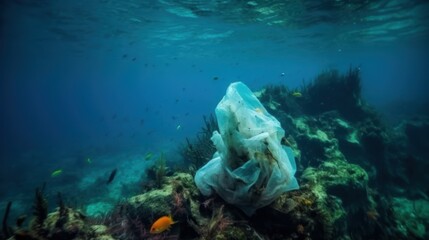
{"points": [[64, 223], [358, 180], [350, 161], [345, 156]]}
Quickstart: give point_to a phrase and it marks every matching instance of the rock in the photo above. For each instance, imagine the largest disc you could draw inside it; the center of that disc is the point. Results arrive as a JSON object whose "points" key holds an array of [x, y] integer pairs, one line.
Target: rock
{"points": [[412, 217]]}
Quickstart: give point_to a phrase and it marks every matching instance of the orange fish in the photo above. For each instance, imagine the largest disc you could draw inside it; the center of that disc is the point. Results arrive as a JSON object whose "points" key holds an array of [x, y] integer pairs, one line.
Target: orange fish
{"points": [[162, 224]]}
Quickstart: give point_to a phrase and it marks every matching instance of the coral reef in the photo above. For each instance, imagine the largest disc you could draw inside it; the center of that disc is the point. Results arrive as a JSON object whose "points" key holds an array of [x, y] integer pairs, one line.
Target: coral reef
{"points": [[64, 223], [359, 179], [350, 162], [412, 217]]}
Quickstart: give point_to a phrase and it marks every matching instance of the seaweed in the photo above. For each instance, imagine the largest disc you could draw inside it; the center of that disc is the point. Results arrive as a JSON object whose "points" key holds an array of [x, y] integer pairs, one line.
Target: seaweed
{"points": [[40, 211], [199, 151], [333, 91], [63, 211], [215, 226], [161, 170], [158, 172], [6, 230]]}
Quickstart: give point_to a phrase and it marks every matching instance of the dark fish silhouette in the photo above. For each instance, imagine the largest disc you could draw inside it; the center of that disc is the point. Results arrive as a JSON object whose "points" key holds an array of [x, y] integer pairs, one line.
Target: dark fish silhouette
{"points": [[112, 176]]}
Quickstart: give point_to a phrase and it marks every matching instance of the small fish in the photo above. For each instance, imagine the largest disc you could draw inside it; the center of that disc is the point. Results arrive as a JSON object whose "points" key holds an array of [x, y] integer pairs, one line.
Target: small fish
{"points": [[56, 173], [148, 156], [215, 78], [112, 176], [297, 94], [162, 224], [178, 127], [88, 160]]}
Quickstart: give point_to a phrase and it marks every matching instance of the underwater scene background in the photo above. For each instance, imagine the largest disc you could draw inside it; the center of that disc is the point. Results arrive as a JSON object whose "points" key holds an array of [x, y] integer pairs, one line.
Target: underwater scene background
{"points": [[108, 107]]}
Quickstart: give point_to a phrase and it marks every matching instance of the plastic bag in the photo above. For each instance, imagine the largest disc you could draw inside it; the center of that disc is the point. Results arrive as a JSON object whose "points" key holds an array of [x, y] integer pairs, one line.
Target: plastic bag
{"points": [[250, 168]]}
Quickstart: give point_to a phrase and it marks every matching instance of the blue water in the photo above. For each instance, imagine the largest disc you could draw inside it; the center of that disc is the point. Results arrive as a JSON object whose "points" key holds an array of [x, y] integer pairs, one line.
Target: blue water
{"points": [[113, 80]]}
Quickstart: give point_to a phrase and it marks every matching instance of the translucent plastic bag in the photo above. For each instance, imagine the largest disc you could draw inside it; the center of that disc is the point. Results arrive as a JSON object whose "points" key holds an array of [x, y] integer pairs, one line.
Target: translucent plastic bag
{"points": [[250, 168]]}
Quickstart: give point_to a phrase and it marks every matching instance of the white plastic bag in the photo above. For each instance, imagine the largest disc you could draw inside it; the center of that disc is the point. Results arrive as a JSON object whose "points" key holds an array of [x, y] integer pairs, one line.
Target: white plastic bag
{"points": [[250, 168]]}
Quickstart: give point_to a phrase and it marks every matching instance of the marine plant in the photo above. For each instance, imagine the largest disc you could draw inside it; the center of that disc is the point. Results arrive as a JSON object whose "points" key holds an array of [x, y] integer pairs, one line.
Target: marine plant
{"points": [[198, 151], [157, 172], [6, 230], [123, 226], [40, 212], [179, 203], [62, 210], [215, 226], [160, 170], [279, 97], [333, 91]]}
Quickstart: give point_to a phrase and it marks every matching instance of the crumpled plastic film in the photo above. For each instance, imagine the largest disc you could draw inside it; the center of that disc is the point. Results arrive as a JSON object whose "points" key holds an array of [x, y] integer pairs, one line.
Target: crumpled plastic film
{"points": [[250, 168]]}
